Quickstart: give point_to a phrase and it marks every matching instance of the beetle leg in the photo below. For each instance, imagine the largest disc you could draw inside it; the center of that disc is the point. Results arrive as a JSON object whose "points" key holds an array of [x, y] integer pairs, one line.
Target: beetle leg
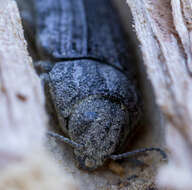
{"points": [[43, 66], [44, 80], [136, 152]]}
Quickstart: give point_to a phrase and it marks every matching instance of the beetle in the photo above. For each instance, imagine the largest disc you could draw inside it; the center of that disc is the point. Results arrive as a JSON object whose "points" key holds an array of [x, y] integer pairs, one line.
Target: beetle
{"points": [[89, 78]]}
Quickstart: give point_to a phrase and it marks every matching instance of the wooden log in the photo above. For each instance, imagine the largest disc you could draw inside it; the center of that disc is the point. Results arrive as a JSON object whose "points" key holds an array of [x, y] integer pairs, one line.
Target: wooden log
{"points": [[164, 31], [24, 164]]}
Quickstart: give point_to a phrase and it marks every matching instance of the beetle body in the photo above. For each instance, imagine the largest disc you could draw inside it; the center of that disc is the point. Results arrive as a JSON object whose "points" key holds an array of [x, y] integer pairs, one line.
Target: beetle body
{"points": [[95, 99]]}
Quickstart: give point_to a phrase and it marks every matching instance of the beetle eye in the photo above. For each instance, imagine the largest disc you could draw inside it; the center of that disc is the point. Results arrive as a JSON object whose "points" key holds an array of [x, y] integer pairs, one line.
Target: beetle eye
{"points": [[89, 163]]}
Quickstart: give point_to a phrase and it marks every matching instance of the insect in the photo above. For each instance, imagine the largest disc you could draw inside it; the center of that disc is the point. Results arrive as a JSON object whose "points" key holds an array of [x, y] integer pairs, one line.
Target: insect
{"points": [[88, 78]]}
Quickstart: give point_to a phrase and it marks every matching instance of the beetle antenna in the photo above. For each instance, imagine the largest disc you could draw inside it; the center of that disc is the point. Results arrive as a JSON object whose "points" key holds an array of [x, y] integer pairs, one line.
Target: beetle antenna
{"points": [[136, 152], [64, 139]]}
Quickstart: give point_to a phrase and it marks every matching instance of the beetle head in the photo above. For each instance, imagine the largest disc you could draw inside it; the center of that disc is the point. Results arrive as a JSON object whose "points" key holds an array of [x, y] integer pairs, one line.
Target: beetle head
{"points": [[97, 124]]}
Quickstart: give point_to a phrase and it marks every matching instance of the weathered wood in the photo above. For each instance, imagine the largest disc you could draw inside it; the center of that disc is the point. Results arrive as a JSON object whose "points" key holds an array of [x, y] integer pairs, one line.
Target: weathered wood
{"points": [[164, 31], [22, 114]]}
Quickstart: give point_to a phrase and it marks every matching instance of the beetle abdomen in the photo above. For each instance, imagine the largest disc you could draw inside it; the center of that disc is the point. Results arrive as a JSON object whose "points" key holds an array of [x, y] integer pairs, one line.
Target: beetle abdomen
{"points": [[69, 29]]}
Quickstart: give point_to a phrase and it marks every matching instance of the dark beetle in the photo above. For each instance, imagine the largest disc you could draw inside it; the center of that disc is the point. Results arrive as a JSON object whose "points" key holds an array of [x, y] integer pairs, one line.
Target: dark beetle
{"points": [[95, 98]]}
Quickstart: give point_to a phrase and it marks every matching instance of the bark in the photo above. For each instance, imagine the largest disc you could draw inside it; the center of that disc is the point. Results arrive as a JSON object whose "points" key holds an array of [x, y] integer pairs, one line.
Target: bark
{"points": [[164, 32]]}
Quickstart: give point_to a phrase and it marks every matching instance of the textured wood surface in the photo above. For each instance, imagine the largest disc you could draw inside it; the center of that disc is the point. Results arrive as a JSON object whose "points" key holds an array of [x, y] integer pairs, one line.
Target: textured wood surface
{"points": [[22, 115], [164, 31]]}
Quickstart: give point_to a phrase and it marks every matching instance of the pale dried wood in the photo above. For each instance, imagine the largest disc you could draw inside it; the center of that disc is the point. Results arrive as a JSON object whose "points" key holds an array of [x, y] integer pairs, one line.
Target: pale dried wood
{"points": [[164, 31], [22, 115]]}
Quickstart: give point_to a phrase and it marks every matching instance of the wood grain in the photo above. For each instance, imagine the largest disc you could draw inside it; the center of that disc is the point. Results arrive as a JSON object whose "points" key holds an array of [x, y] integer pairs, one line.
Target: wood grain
{"points": [[164, 31], [22, 114]]}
